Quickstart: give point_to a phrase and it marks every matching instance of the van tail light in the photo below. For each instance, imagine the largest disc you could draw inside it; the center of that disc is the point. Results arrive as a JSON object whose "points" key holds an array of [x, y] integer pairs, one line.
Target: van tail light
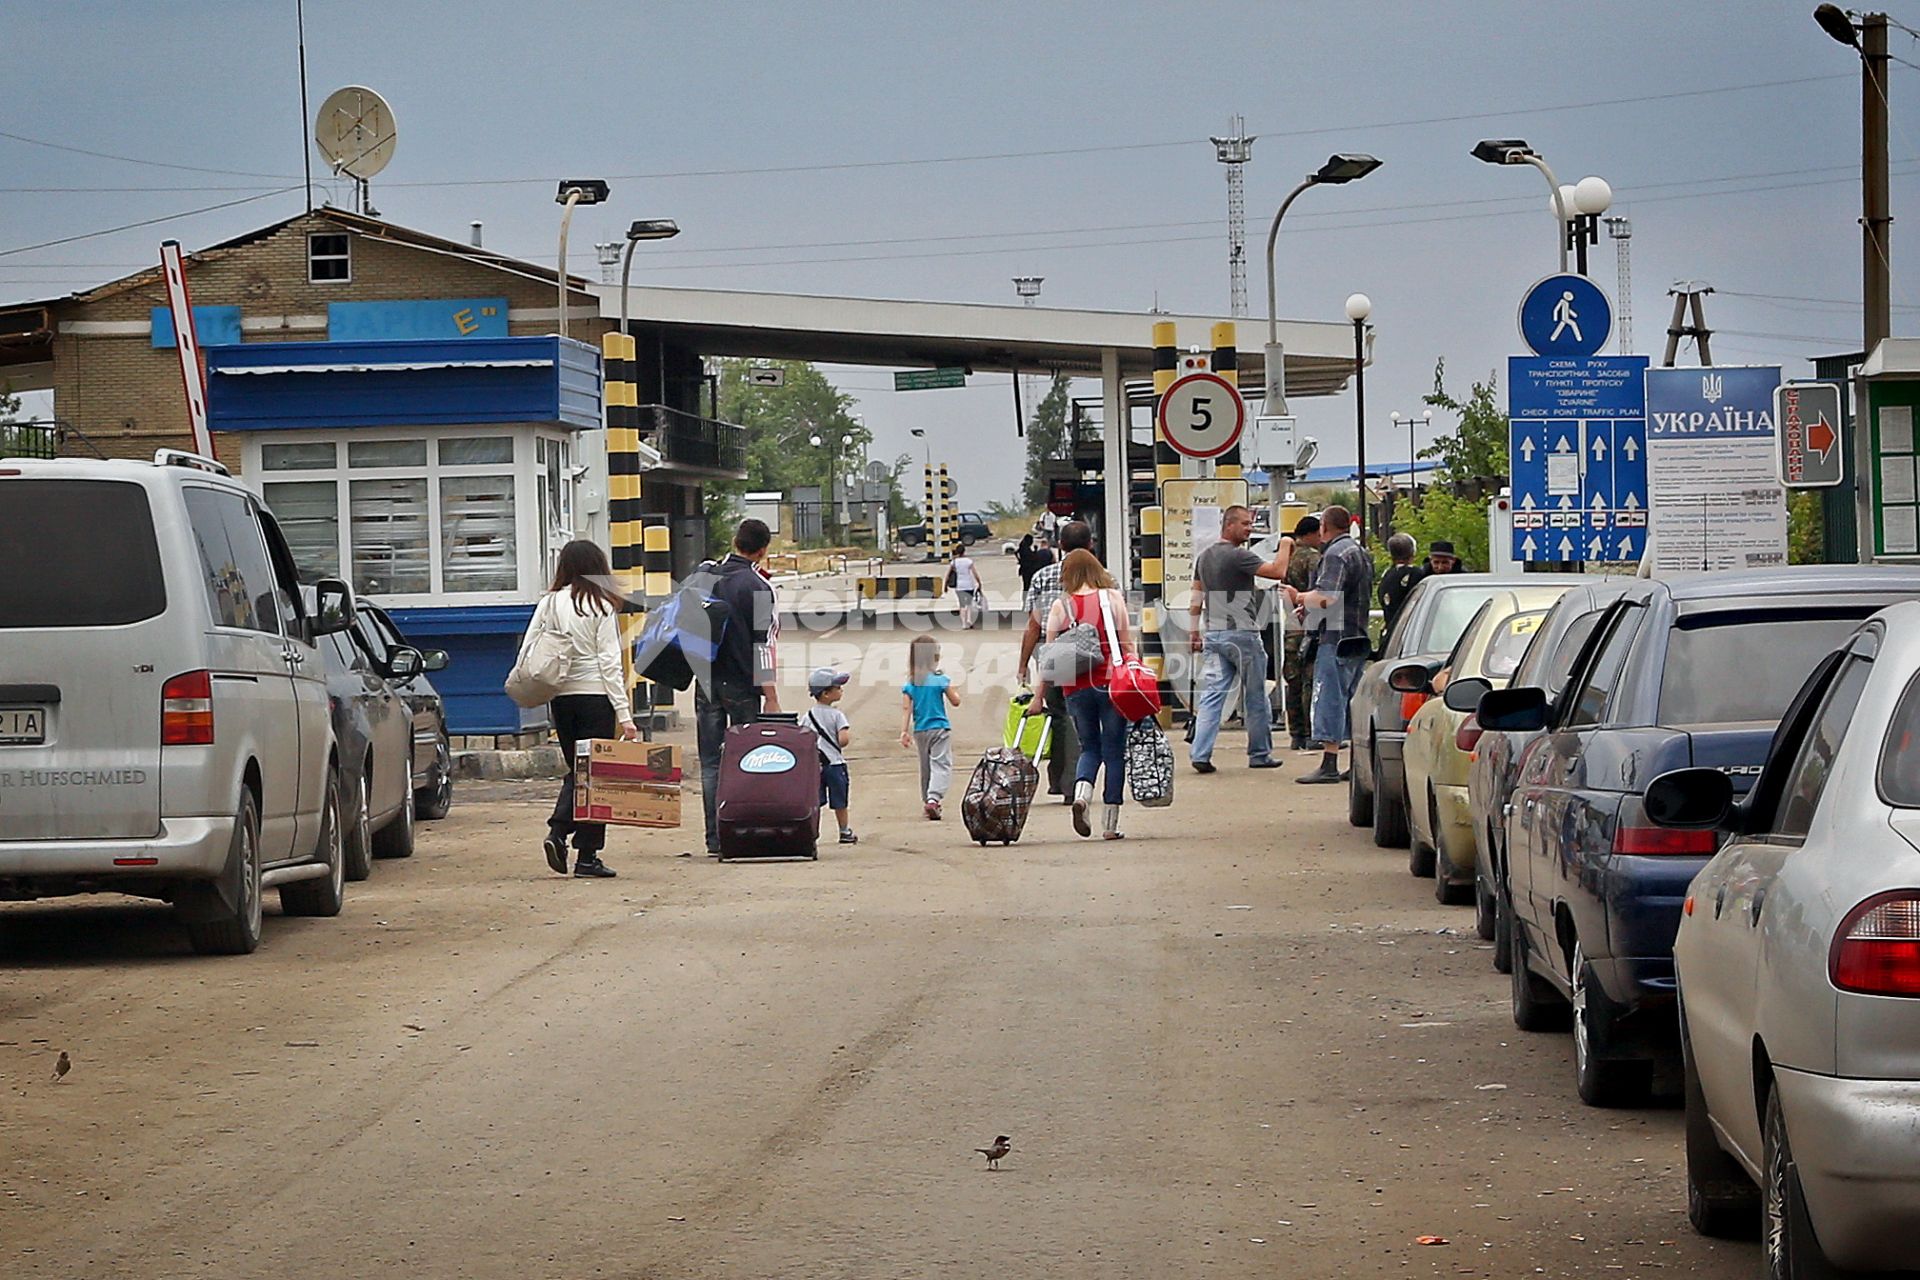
{"points": [[1411, 703], [1663, 842], [1877, 949], [186, 710], [1467, 736]]}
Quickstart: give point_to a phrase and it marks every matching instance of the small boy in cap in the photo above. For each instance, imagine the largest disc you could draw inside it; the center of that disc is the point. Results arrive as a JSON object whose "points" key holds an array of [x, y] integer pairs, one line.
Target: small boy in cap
{"points": [[831, 726]]}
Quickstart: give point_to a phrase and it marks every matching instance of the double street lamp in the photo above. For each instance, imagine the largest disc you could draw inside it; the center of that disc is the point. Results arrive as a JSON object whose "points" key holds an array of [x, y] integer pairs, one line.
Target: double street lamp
{"points": [[1425, 419], [578, 191], [1339, 169]]}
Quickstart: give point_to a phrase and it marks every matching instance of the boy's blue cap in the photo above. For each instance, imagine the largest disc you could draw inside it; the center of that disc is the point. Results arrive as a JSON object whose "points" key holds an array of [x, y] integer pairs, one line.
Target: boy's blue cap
{"points": [[824, 678]]}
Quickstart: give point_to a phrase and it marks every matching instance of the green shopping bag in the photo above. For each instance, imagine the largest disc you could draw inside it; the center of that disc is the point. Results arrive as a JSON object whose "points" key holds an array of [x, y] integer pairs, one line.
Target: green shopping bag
{"points": [[1030, 736]]}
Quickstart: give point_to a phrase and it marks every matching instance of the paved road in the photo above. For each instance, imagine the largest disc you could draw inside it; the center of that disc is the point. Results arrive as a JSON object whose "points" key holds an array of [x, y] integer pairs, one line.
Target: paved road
{"points": [[1240, 1042]]}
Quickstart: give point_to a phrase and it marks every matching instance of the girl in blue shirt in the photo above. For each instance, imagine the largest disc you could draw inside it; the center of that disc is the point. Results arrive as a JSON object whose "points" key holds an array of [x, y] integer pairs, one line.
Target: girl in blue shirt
{"points": [[924, 725]]}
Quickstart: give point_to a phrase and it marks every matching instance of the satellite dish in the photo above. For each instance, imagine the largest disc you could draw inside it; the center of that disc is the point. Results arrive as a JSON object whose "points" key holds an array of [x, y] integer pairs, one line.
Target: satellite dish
{"points": [[355, 131]]}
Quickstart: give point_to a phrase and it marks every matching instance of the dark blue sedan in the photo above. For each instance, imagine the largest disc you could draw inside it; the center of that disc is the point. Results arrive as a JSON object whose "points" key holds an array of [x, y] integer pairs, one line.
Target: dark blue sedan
{"points": [[1689, 673]]}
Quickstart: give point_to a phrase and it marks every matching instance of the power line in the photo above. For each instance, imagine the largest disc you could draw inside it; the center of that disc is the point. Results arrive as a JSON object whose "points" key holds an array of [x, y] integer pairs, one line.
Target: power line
{"points": [[144, 222], [156, 164]]}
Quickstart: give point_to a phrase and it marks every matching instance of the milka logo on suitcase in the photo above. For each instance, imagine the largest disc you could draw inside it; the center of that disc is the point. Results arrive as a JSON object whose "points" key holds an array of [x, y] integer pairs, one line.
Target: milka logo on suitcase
{"points": [[767, 759]]}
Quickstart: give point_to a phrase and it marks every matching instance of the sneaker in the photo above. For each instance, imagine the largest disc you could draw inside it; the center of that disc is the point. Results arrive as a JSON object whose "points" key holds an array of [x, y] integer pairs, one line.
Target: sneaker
{"points": [[593, 869], [1268, 763], [556, 854], [847, 837], [1204, 766], [933, 811], [1321, 775]]}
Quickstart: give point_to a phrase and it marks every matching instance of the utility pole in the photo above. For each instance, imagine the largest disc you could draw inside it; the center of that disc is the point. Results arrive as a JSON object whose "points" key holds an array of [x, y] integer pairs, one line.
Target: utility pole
{"points": [[1620, 230], [1876, 212], [1685, 294], [1234, 152]]}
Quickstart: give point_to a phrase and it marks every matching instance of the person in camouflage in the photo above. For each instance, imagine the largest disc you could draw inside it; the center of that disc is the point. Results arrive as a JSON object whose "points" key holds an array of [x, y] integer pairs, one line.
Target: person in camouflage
{"points": [[1298, 676]]}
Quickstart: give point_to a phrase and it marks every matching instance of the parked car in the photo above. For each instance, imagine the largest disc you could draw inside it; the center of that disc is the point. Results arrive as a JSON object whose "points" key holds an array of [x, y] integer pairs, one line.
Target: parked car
{"points": [[1690, 673], [1428, 627], [163, 708], [1491, 768], [380, 639], [1440, 737], [973, 528], [373, 728], [1798, 961]]}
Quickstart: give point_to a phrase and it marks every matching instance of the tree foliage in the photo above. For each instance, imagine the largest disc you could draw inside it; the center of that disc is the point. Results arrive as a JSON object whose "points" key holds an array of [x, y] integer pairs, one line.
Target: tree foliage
{"points": [[1440, 515], [1476, 446], [1046, 439], [1806, 527]]}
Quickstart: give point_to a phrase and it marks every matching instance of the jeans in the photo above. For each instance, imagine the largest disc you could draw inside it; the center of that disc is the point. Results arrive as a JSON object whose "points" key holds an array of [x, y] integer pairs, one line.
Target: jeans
{"points": [[1103, 740], [1334, 680], [712, 717], [576, 718], [1231, 652]]}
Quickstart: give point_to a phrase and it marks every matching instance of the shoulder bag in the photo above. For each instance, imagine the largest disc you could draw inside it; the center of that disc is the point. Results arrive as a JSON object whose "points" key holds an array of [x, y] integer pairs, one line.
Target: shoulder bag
{"points": [[1131, 684], [1072, 655], [545, 655]]}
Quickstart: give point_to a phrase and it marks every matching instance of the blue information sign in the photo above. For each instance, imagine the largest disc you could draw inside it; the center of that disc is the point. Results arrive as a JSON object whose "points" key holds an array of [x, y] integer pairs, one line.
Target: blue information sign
{"points": [[1578, 453], [1565, 315]]}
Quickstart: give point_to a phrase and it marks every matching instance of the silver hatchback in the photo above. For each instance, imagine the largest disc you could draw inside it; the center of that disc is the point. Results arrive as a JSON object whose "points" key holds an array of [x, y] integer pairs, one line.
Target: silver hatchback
{"points": [[164, 729], [1798, 960]]}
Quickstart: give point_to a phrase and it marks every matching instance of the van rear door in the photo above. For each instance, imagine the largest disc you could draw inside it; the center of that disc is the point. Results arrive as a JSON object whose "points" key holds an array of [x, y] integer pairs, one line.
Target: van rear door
{"points": [[82, 618]]}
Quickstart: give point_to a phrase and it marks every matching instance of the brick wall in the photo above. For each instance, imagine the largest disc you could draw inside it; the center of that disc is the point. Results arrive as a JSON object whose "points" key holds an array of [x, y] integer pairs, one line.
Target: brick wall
{"points": [[126, 396]]}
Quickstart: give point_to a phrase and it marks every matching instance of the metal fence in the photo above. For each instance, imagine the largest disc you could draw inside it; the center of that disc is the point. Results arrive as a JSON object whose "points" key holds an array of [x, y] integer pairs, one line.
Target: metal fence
{"points": [[694, 441]]}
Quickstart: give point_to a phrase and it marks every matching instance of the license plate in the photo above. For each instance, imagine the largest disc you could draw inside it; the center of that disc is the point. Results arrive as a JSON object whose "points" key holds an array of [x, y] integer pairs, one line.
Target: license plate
{"points": [[23, 726]]}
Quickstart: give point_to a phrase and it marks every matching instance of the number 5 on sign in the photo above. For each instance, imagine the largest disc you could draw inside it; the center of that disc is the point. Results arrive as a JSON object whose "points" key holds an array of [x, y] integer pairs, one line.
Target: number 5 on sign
{"points": [[1202, 415]]}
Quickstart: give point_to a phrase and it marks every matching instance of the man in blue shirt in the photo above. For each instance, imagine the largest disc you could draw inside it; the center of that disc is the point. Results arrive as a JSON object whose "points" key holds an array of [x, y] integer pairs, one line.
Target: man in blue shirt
{"points": [[1337, 611]]}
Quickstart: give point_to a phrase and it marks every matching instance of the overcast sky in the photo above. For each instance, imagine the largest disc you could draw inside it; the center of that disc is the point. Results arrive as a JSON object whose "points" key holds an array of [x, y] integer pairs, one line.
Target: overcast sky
{"points": [[810, 114]]}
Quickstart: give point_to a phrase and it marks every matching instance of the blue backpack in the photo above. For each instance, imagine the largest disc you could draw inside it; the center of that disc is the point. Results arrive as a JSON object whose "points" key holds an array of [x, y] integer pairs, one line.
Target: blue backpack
{"points": [[683, 636]]}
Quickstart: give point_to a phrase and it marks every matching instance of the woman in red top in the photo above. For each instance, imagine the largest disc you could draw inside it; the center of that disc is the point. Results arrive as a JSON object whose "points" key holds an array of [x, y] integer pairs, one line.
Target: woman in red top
{"points": [[1084, 584]]}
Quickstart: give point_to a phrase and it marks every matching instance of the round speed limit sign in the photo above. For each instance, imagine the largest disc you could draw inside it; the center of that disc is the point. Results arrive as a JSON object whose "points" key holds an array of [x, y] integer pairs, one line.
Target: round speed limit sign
{"points": [[1202, 415]]}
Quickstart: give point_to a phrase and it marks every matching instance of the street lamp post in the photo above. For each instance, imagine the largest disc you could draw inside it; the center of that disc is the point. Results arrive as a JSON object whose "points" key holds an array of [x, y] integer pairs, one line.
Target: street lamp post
{"points": [[1425, 419], [1869, 40], [1338, 170], [1359, 307], [573, 191], [921, 436], [642, 229], [1516, 151], [1588, 199]]}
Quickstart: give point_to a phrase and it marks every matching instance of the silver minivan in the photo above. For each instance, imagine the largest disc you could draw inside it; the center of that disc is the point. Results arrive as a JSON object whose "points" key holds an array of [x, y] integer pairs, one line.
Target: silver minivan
{"points": [[164, 727]]}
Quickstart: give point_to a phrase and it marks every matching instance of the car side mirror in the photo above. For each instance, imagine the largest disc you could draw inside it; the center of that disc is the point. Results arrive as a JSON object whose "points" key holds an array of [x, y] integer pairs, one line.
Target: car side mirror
{"points": [[405, 663], [1691, 800], [1513, 710], [1411, 677], [1465, 693], [332, 607], [433, 660]]}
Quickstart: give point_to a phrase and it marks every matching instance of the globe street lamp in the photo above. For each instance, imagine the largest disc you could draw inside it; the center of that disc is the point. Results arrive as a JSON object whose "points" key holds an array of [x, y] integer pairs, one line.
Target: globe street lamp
{"points": [[1359, 307], [1337, 171], [1588, 199]]}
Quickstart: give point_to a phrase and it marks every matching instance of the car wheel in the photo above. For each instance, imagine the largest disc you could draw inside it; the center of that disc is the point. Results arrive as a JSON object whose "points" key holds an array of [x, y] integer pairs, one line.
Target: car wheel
{"points": [[1537, 1006], [1722, 1201], [1502, 923], [323, 895], [1389, 812], [1445, 891], [1791, 1251], [395, 840], [1483, 910], [358, 837], [235, 930], [1601, 1082], [1359, 800], [434, 802]]}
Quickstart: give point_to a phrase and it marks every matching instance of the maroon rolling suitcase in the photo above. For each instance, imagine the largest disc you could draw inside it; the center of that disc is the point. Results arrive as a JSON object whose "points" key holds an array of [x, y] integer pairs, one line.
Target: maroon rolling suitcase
{"points": [[767, 804]]}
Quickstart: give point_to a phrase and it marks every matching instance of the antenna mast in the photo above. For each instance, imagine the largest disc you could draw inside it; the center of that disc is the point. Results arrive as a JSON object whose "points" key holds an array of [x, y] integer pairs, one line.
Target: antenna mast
{"points": [[1234, 152], [1620, 231]]}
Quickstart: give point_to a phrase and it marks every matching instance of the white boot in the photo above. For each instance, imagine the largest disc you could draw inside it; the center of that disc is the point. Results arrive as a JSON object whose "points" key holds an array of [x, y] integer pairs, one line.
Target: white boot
{"points": [[1110, 824], [1082, 800]]}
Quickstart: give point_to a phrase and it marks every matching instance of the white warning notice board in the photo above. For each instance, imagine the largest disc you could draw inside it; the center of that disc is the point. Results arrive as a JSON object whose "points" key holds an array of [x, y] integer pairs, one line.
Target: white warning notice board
{"points": [[1189, 524], [1712, 469]]}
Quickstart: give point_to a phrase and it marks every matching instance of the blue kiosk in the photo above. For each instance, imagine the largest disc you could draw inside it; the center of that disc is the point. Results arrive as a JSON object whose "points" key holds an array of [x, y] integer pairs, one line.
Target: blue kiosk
{"points": [[440, 477]]}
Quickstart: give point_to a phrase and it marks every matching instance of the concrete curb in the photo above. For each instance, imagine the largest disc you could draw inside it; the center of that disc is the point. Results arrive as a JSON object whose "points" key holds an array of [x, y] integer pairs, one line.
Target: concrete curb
{"points": [[539, 762]]}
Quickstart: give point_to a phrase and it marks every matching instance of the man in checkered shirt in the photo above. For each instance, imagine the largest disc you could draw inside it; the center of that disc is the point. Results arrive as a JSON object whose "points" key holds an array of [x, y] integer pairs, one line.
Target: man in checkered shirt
{"points": [[1041, 593]]}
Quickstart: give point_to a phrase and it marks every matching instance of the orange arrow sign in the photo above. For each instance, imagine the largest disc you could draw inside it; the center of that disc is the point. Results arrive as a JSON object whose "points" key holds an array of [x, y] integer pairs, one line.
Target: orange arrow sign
{"points": [[1821, 438]]}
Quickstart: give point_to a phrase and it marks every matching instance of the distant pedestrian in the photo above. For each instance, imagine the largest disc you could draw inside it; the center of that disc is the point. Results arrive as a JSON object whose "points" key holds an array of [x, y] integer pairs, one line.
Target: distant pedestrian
{"points": [[831, 726], [924, 724], [1398, 582], [593, 701], [1338, 609], [963, 575], [1030, 557], [1294, 672], [1064, 749], [739, 685], [1442, 558], [1088, 597], [1226, 617]]}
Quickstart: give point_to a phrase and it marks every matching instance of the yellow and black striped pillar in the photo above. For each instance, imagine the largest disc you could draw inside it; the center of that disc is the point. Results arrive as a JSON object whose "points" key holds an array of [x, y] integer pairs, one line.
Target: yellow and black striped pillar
{"points": [[1226, 363], [623, 462], [949, 514], [930, 511], [1166, 371], [1153, 591], [657, 582]]}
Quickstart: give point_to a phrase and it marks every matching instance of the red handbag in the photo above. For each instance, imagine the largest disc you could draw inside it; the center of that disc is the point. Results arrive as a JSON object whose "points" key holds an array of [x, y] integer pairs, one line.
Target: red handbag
{"points": [[1131, 684]]}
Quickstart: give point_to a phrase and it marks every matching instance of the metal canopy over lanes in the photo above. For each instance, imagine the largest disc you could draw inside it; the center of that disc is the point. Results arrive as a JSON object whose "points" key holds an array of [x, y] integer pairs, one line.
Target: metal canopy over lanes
{"points": [[983, 337]]}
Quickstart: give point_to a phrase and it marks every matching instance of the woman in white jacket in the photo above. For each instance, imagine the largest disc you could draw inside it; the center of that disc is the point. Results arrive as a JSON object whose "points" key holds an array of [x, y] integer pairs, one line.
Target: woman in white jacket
{"points": [[593, 701]]}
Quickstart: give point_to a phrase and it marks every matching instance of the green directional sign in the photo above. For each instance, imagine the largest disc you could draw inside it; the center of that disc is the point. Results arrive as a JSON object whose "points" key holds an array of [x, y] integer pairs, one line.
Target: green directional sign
{"points": [[928, 379]]}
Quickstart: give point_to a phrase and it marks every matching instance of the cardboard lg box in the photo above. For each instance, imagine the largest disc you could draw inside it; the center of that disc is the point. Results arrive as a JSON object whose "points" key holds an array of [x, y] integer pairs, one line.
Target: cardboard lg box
{"points": [[627, 784]]}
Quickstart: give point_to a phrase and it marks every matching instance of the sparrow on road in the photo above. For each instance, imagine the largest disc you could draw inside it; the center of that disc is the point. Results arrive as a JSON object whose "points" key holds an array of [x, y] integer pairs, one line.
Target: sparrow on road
{"points": [[62, 1065], [997, 1152]]}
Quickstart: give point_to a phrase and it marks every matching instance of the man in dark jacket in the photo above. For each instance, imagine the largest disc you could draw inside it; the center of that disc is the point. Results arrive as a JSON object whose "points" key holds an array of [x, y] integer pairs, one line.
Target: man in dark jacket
{"points": [[1398, 582], [741, 683], [1442, 558]]}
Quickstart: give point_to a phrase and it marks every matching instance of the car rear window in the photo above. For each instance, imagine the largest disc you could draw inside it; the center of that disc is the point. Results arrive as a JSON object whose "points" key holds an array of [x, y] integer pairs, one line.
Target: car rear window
{"points": [[1509, 644], [77, 553], [1900, 754], [1745, 666]]}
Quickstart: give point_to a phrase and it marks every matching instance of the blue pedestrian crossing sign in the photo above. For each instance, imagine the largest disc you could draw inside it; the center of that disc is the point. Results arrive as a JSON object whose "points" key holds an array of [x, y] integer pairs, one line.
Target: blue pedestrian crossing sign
{"points": [[1565, 315], [1578, 453]]}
